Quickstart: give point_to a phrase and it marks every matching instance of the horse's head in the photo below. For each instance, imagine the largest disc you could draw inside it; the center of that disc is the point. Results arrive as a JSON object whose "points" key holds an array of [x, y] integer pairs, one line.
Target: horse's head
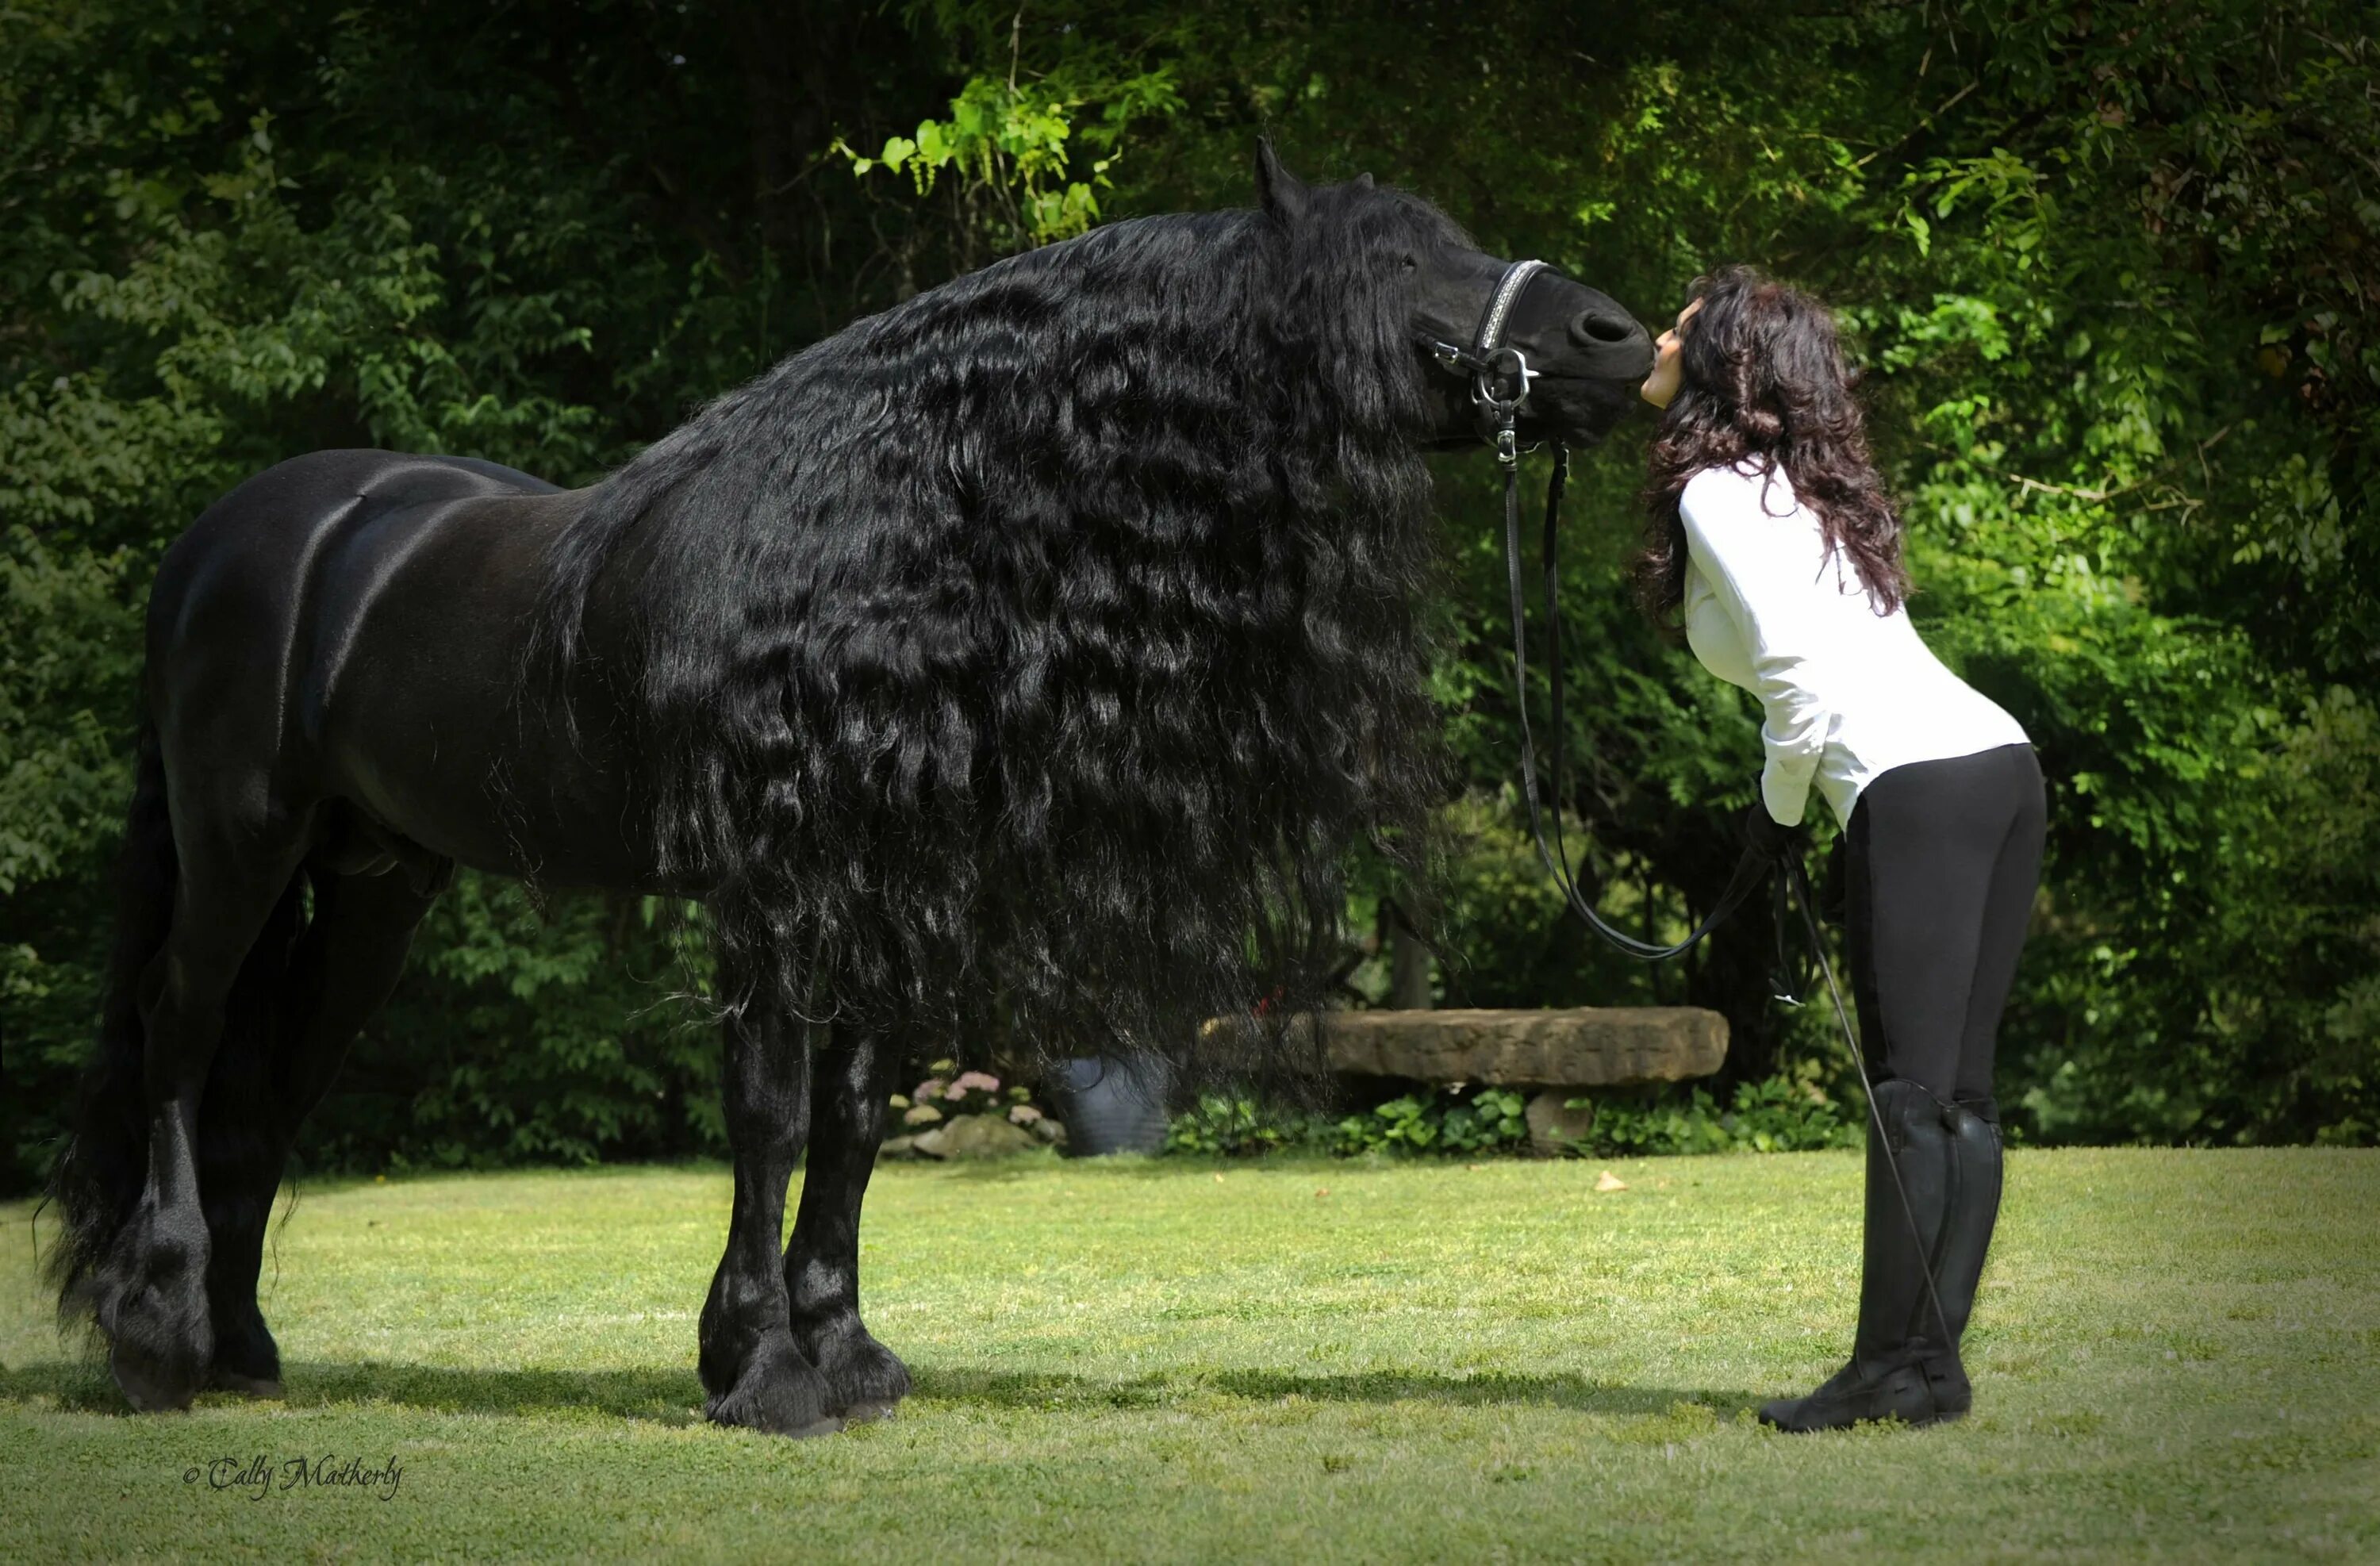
{"points": [[1585, 355]]}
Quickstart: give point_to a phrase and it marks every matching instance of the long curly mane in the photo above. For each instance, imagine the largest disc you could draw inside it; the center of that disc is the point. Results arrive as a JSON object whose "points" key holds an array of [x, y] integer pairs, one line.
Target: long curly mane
{"points": [[1048, 635]]}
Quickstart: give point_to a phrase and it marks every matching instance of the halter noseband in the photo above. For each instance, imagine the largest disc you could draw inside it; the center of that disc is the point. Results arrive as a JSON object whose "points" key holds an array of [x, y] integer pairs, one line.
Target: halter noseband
{"points": [[1500, 373]]}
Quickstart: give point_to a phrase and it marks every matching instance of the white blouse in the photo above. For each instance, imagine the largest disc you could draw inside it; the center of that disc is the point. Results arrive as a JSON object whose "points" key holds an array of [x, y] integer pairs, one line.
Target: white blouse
{"points": [[1848, 694]]}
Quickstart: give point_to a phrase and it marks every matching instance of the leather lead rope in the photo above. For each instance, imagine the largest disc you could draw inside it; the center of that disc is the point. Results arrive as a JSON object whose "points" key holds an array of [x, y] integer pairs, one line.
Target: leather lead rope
{"points": [[1750, 870], [1501, 376]]}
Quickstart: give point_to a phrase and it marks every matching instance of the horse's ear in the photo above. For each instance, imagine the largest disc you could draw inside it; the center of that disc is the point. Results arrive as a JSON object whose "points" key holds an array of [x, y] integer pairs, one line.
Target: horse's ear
{"points": [[1362, 182], [1279, 191]]}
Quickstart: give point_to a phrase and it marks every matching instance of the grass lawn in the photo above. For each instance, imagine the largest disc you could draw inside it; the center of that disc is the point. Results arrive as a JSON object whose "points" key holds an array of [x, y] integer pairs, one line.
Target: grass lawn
{"points": [[2176, 1356]]}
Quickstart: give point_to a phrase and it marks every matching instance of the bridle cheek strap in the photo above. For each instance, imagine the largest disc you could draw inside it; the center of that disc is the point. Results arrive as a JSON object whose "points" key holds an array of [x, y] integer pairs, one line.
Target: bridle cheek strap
{"points": [[1750, 870]]}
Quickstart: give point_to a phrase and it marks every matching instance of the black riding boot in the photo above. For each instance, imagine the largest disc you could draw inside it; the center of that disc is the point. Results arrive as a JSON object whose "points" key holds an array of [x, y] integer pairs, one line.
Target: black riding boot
{"points": [[1973, 1208], [1887, 1377]]}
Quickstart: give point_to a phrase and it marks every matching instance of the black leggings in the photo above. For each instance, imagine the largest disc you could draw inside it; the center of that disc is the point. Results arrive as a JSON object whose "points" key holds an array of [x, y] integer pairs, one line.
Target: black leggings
{"points": [[1941, 860]]}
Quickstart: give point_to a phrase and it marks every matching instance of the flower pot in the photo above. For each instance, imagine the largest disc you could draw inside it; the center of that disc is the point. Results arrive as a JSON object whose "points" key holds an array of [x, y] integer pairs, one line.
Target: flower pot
{"points": [[1113, 1106]]}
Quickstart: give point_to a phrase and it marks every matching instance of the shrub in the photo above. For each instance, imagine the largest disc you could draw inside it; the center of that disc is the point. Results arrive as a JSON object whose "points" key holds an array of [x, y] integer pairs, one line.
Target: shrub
{"points": [[1442, 1121], [1780, 1114], [1227, 1125], [949, 1093]]}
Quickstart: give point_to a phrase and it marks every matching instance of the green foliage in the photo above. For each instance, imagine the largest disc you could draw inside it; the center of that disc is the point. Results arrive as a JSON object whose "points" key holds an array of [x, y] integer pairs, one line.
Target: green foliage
{"points": [[1440, 1121], [1787, 1113], [533, 1035], [216, 254], [2110, 285], [63, 773], [1229, 1125], [1009, 146], [1781, 1114]]}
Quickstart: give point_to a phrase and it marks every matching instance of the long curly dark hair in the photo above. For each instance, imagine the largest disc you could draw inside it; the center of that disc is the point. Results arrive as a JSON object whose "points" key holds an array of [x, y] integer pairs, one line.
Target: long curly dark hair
{"points": [[1761, 376], [1049, 634]]}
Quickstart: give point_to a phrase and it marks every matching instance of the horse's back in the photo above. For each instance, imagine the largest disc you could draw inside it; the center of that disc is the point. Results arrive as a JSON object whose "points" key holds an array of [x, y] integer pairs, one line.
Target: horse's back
{"points": [[252, 553]]}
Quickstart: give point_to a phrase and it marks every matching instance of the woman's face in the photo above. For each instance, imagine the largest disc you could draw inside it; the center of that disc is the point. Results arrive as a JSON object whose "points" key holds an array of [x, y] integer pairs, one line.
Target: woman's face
{"points": [[1662, 384]]}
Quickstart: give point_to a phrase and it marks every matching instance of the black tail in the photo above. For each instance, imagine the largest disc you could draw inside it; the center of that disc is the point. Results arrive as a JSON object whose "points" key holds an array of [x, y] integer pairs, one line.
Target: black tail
{"points": [[100, 1175]]}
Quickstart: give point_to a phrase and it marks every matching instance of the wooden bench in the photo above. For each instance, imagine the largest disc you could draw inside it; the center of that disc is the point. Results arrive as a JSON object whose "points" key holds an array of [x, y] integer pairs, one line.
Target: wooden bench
{"points": [[1558, 1055]]}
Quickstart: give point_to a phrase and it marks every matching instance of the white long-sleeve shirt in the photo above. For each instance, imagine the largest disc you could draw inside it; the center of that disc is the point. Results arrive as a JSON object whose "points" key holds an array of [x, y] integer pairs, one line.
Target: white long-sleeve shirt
{"points": [[1847, 694]]}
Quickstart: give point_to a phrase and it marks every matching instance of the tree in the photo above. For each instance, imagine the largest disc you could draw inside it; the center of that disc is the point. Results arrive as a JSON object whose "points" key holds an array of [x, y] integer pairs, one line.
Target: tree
{"points": [[2112, 284]]}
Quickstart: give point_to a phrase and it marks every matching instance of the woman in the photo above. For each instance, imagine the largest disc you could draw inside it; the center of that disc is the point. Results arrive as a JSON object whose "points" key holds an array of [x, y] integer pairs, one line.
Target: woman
{"points": [[1772, 539]]}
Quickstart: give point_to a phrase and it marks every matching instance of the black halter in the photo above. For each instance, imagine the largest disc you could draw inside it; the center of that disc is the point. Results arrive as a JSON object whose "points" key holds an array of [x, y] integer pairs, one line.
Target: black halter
{"points": [[1500, 392], [1500, 373]]}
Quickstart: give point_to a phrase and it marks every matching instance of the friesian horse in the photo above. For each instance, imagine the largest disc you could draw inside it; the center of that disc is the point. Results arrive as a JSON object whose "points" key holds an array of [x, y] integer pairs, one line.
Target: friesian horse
{"points": [[1048, 636]]}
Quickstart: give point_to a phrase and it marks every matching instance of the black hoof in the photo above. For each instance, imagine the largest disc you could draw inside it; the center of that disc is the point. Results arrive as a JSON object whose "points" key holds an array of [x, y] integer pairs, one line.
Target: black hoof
{"points": [[222, 1381], [778, 1391], [153, 1312], [152, 1383], [864, 1380], [757, 1414], [246, 1361]]}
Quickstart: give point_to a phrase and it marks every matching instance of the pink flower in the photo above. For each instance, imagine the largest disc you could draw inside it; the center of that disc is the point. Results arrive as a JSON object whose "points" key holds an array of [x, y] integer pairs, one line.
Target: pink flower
{"points": [[1023, 1114], [978, 1081], [930, 1088]]}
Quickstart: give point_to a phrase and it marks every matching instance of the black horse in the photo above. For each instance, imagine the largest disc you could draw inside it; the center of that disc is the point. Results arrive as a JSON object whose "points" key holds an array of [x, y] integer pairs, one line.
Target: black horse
{"points": [[1049, 636]]}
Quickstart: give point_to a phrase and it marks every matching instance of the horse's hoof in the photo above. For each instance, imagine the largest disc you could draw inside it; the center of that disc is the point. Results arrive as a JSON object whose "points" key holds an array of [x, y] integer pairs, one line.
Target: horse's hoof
{"points": [[752, 1415], [864, 1379], [778, 1392], [827, 1426], [222, 1381], [148, 1385], [152, 1308], [158, 1368]]}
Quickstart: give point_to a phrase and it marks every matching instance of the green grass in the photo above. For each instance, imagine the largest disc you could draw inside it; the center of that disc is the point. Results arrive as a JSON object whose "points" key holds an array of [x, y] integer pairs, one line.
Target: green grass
{"points": [[2177, 1355]]}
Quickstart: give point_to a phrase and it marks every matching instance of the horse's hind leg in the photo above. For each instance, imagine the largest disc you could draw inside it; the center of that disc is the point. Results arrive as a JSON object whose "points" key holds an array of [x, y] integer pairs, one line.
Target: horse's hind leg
{"points": [[755, 1374], [855, 1077], [339, 973], [151, 1295]]}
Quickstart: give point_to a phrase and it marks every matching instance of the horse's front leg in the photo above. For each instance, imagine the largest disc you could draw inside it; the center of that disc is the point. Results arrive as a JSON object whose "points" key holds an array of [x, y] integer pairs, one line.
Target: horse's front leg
{"points": [[863, 1378], [755, 1373]]}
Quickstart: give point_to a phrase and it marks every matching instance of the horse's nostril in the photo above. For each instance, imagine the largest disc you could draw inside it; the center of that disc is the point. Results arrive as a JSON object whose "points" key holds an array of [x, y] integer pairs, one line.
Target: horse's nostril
{"points": [[1596, 328]]}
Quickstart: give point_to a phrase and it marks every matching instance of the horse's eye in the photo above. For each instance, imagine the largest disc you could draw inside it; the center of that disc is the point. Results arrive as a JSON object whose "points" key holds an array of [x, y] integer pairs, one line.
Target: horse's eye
{"points": [[1412, 263]]}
